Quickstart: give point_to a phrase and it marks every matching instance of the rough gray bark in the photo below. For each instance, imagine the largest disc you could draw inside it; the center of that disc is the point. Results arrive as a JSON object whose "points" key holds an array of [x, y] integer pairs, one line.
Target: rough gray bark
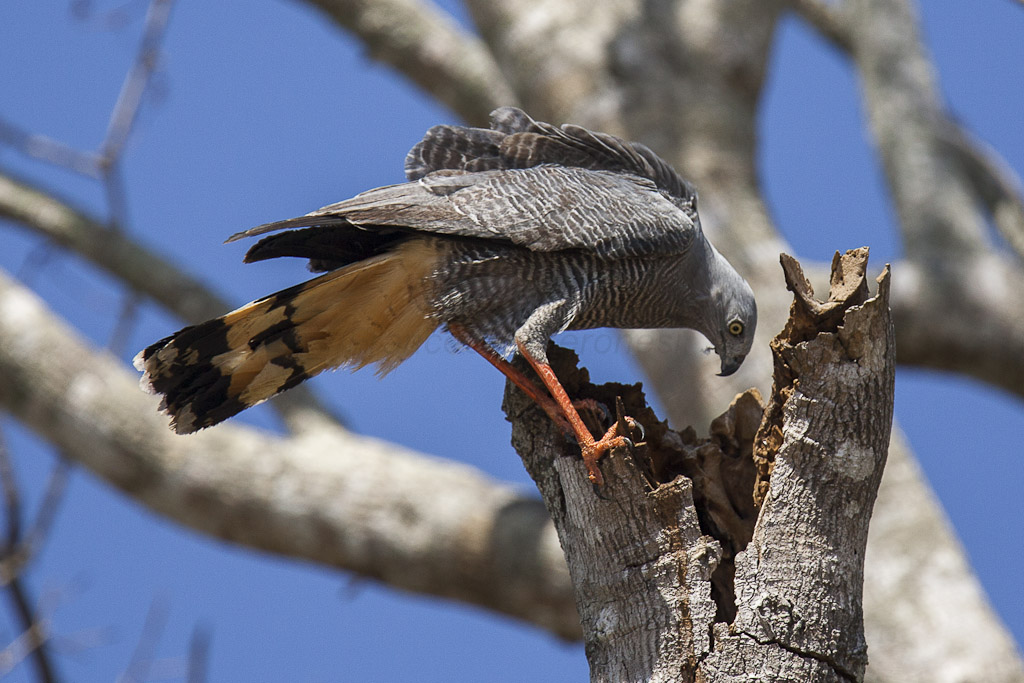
{"points": [[642, 556]]}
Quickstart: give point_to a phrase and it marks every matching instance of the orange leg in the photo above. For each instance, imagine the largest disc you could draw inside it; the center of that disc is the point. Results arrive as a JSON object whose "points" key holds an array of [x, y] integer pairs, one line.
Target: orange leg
{"points": [[592, 450], [518, 378], [561, 409]]}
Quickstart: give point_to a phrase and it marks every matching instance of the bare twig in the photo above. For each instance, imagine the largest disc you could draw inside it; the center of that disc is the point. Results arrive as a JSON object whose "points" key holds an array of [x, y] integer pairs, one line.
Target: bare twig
{"points": [[119, 128], [122, 120], [12, 500], [46, 149], [35, 631], [126, 320], [137, 670], [112, 18], [198, 655], [33, 641], [20, 548], [18, 650], [105, 165], [39, 530]]}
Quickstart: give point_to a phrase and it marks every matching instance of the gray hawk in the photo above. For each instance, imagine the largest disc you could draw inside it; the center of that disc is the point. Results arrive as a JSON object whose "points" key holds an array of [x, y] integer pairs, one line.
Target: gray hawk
{"points": [[504, 236]]}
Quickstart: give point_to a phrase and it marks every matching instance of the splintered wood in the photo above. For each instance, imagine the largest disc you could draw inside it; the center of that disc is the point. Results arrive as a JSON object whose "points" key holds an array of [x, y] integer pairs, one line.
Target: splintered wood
{"points": [[678, 575]]}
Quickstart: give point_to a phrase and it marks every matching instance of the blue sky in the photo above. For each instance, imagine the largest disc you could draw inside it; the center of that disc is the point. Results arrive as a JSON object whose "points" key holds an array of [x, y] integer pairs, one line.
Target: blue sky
{"points": [[261, 111]]}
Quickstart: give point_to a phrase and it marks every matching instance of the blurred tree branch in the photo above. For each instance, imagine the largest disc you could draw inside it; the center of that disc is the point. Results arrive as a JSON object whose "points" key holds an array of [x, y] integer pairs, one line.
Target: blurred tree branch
{"points": [[426, 45], [19, 547], [323, 495], [992, 183]]}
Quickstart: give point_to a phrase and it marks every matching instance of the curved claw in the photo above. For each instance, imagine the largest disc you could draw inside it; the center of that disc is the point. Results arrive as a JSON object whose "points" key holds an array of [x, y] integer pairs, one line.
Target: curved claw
{"points": [[629, 424], [636, 424]]}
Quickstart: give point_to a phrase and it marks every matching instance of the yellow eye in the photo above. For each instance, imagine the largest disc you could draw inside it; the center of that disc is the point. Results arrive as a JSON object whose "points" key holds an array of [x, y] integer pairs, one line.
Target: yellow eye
{"points": [[735, 328]]}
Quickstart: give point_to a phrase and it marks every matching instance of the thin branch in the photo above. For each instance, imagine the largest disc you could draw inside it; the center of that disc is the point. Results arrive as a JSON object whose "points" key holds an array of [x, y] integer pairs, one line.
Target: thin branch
{"points": [[427, 46], [16, 651], [12, 500], [125, 112], [35, 630], [113, 188], [33, 641], [126, 320], [198, 655], [138, 667], [46, 149], [39, 530], [119, 128], [21, 547]]}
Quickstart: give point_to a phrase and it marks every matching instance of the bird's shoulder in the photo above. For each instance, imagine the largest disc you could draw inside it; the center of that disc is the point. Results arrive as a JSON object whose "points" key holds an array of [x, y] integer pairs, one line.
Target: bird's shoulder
{"points": [[517, 141]]}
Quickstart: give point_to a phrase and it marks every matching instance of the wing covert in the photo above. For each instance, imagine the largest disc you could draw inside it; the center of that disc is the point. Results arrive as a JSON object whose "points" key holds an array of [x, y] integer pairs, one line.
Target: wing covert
{"points": [[515, 140], [542, 208]]}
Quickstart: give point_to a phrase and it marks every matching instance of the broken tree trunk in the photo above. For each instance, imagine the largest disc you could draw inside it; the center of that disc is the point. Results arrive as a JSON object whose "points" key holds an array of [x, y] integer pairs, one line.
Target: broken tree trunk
{"points": [[738, 556]]}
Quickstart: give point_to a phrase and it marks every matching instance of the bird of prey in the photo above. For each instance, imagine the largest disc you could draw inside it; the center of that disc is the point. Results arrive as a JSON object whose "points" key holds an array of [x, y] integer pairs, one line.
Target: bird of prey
{"points": [[504, 236]]}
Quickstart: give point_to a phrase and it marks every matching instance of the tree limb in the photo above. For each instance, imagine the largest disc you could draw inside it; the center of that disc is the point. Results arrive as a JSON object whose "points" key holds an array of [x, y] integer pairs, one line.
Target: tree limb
{"points": [[992, 182], [963, 317], [325, 495], [558, 56], [140, 269], [827, 18], [927, 618], [423, 43], [932, 197]]}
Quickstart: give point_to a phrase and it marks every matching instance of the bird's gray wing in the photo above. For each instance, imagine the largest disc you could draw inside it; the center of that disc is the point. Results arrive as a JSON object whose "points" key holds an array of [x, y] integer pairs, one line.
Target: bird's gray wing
{"points": [[515, 140], [542, 208]]}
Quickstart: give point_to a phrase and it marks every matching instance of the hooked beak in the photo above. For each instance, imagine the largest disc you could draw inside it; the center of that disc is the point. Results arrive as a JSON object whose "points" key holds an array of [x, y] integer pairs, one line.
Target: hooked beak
{"points": [[731, 365]]}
